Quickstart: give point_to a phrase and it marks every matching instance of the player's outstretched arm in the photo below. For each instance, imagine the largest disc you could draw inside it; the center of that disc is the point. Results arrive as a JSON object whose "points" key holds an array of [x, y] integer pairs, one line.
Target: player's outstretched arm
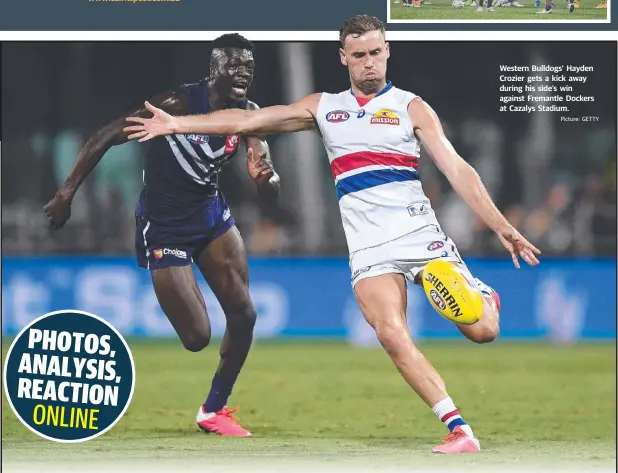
{"points": [[58, 210], [277, 119], [466, 181]]}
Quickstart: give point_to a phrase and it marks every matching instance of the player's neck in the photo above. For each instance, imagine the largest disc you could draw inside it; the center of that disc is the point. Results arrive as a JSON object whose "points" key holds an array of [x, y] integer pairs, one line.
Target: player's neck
{"points": [[358, 93]]}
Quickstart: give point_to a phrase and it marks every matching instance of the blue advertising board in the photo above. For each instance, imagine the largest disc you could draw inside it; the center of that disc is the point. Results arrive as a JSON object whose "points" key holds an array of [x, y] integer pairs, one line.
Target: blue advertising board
{"points": [[563, 300]]}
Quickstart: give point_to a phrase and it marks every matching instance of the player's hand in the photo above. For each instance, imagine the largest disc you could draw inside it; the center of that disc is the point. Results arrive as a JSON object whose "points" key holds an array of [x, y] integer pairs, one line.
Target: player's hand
{"points": [[260, 168], [518, 246], [161, 123], [58, 210]]}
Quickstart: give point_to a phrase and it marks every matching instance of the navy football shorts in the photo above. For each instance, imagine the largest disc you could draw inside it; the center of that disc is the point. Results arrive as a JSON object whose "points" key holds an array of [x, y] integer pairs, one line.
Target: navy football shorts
{"points": [[159, 245]]}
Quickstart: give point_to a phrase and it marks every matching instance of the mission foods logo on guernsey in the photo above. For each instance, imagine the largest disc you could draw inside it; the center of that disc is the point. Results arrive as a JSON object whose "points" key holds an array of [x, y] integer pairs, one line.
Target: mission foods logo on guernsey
{"points": [[384, 117], [231, 143], [337, 116]]}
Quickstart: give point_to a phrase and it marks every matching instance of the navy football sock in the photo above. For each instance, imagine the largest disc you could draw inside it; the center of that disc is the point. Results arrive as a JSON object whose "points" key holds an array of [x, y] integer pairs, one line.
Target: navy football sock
{"points": [[219, 393]]}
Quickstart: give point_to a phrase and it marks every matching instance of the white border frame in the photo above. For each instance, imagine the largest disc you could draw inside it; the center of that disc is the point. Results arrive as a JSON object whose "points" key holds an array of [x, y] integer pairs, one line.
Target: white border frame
{"points": [[257, 36], [498, 22]]}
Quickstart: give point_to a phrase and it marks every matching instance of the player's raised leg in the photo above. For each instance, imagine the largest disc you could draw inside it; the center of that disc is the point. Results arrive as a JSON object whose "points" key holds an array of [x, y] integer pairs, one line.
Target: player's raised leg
{"points": [[168, 258], [224, 266], [183, 304], [383, 300], [487, 328]]}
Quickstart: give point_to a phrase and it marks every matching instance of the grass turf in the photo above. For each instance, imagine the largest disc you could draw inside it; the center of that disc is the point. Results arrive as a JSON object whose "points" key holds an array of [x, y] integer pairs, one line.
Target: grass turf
{"points": [[443, 10], [530, 404]]}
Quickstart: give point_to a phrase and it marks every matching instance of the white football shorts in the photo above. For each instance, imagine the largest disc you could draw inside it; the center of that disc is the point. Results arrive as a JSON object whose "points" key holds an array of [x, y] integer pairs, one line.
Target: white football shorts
{"points": [[406, 255]]}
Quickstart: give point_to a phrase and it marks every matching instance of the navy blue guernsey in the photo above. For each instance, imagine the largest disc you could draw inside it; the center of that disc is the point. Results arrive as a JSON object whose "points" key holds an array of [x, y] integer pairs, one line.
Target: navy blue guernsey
{"points": [[181, 171]]}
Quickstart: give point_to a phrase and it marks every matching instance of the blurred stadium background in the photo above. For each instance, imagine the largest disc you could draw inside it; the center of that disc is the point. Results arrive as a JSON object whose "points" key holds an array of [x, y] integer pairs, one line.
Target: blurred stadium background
{"points": [[554, 181]]}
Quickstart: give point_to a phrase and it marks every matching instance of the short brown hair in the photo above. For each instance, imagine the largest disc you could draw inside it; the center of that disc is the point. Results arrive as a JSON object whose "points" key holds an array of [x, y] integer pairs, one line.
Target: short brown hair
{"points": [[359, 25]]}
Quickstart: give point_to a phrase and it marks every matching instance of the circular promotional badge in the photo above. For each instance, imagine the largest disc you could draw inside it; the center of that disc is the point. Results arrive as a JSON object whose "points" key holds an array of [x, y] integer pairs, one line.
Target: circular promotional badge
{"points": [[69, 376]]}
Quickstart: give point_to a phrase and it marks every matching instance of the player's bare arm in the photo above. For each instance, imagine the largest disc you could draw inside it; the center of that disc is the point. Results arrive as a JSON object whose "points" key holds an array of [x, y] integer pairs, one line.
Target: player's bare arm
{"points": [[259, 163], [58, 210], [466, 181], [298, 116]]}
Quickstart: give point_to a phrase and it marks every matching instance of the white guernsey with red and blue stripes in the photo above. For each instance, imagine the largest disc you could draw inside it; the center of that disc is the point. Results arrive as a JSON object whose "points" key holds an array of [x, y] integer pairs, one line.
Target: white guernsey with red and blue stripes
{"points": [[373, 154]]}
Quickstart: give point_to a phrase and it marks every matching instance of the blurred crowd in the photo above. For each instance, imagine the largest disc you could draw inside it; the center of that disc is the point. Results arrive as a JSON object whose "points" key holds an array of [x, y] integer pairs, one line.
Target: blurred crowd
{"points": [[555, 182], [576, 214]]}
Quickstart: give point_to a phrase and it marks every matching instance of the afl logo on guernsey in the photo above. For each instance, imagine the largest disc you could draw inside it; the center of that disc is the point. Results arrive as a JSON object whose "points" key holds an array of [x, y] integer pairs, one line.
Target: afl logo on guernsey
{"points": [[384, 117], [198, 139], [436, 245], [337, 116], [231, 144]]}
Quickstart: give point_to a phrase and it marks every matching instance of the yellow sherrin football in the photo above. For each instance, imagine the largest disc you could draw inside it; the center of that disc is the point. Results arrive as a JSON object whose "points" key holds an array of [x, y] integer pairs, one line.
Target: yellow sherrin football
{"points": [[450, 293]]}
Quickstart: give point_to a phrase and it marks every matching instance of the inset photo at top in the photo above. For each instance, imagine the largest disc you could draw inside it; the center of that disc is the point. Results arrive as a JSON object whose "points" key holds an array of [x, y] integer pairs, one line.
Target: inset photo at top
{"points": [[508, 11]]}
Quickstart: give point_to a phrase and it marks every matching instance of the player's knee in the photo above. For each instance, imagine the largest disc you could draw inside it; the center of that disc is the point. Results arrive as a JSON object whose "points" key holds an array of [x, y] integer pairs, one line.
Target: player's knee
{"points": [[196, 343], [390, 333], [489, 327], [487, 335], [245, 318], [197, 340], [242, 318]]}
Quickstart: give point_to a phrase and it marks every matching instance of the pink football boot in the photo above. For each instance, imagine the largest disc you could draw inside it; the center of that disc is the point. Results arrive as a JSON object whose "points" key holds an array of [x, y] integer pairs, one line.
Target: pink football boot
{"points": [[221, 423], [458, 442]]}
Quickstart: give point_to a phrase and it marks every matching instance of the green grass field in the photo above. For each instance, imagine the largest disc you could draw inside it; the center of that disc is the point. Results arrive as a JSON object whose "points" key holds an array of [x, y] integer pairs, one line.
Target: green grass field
{"points": [[532, 405], [443, 10]]}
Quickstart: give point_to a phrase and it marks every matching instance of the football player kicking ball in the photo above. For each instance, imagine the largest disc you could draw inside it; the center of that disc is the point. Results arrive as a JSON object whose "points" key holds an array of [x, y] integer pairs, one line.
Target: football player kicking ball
{"points": [[390, 227]]}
